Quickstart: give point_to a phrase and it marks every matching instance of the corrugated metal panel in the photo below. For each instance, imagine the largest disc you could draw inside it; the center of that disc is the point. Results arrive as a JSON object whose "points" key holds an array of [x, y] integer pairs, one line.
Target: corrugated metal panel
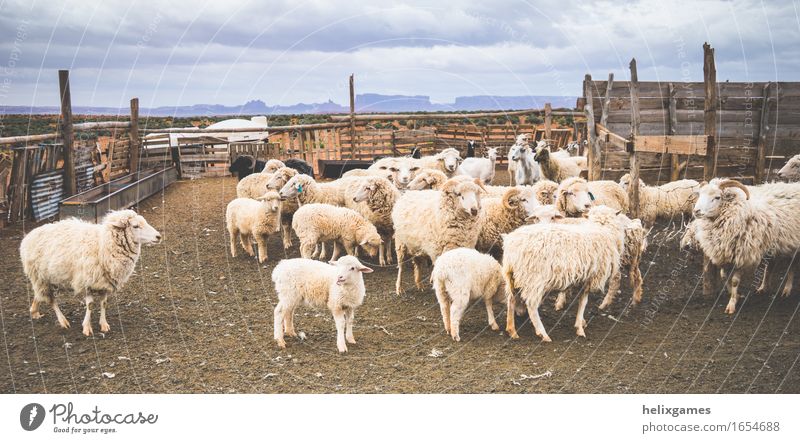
{"points": [[47, 190]]}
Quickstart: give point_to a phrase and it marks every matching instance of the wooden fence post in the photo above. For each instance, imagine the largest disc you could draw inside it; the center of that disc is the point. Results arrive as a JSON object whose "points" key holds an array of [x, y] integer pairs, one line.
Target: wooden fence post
{"points": [[352, 119], [593, 153], [66, 133], [607, 100], [674, 159], [710, 111], [763, 127], [548, 121], [633, 187], [133, 136]]}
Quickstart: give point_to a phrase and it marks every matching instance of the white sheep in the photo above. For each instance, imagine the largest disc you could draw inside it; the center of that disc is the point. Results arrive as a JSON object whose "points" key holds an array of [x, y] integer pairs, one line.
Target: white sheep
{"points": [[670, 200], [307, 190], [288, 205], [503, 215], [255, 185], [91, 260], [378, 196], [427, 179], [318, 223], [337, 285], [249, 220], [558, 169], [737, 225], [427, 223], [400, 170], [455, 288], [575, 196], [446, 161], [481, 168], [791, 170], [541, 258]]}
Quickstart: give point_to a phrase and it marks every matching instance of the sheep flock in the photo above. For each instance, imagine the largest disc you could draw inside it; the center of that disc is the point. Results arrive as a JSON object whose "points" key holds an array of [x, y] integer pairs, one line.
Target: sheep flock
{"points": [[549, 234]]}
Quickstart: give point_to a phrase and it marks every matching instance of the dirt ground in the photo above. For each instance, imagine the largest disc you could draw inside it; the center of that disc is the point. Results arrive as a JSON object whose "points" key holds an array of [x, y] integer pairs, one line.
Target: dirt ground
{"points": [[193, 319]]}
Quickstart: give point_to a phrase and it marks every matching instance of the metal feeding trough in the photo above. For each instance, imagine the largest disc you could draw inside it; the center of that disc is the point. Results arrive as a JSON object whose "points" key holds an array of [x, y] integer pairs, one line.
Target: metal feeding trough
{"points": [[121, 193]]}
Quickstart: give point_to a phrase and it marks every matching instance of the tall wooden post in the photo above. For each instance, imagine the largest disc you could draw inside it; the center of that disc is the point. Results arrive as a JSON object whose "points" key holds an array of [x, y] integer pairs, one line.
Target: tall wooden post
{"points": [[548, 121], [763, 127], [133, 135], [674, 159], [66, 133], [352, 119], [607, 100], [710, 111], [633, 188], [593, 153]]}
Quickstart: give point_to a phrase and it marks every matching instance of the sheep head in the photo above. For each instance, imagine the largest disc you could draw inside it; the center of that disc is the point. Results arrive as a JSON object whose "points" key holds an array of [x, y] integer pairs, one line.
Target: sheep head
{"points": [[427, 179], [573, 196], [272, 166], [403, 171], [295, 186], [349, 270], [134, 224], [272, 200], [791, 170], [280, 178], [369, 240], [544, 214], [713, 196], [466, 193], [451, 158]]}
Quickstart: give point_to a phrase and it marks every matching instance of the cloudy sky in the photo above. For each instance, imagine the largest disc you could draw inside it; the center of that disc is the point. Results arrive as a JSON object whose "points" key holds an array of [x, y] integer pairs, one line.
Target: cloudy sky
{"points": [[285, 52]]}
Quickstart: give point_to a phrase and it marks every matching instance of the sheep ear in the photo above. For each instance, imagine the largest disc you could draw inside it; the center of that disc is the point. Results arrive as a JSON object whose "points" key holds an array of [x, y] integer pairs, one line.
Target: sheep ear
{"points": [[332, 262], [619, 212], [365, 269], [558, 216], [531, 218]]}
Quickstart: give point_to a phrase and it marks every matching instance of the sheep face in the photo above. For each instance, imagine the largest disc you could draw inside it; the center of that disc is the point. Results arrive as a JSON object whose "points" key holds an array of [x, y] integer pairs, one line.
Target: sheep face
{"points": [[294, 187], [349, 270], [544, 214], [491, 153], [272, 200], [403, 172], [712, 197], [364, 191], [272, 166], [141, 231], [791, 170], [371, 243], [518, 151], [451, 158], [426, 179], [466, 193], [280, 178], [577, 197]]}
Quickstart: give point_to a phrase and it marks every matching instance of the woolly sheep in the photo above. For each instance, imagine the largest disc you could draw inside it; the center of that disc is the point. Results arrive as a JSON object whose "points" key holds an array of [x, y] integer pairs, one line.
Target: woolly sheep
{"points": [[576, 196], [669, 200], [427, 179], [456, 288], [337, 285], [503, 215], [288, 205], [378, 195], [427, 223], [791, 170], [557, 169], [556, 257], [248, 220], [255, 185], [446, 161], [401, 169], [481, 168], [318, 222], [92, 260], [307, 190], [737, 225]]}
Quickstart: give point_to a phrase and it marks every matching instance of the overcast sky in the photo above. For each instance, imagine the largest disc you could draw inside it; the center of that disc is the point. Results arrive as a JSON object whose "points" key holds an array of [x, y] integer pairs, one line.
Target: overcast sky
{"points": [[285, 52]]}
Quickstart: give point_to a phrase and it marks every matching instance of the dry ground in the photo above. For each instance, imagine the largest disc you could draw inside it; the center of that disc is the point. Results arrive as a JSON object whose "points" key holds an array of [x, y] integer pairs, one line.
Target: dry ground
{"points": [[193, 319]]}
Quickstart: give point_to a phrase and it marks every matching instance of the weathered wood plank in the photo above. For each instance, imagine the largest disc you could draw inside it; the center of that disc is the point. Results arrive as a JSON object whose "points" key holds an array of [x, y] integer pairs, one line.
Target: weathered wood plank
{"points": [[672, 144], [633, 187]]}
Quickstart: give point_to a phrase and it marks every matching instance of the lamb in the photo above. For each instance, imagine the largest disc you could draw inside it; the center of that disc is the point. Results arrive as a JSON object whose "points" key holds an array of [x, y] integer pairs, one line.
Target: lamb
{"points": [[737, 225], [556, 257], [558, 169], [446, 161], [254, 185], [379, 196], [455, 288], [427, 179], [288, 205], [307, 190], [575, 196], [318, 222], [669, 200], [791, 170], [245, 165], [92, 260], [248, 220], [503, 215], [337, 285], [481, 168], [451, 219]]}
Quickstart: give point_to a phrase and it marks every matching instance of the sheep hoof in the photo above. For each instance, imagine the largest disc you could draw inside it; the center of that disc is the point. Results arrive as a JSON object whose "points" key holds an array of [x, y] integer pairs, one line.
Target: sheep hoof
{"points": [[730, 309], [512, 333], [786, 292], [87, 331], [581, 333], [495, 327], [36, 315], [546, 338], [604, 305], [457, 337], [64, 323], [281, 343], [351, 340], [104, 327], [342, 349]]}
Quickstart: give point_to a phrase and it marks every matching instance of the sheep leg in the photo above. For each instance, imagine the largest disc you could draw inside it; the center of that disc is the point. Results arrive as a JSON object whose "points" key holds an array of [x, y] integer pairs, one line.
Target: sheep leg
{"points": [[400, 251], [533, 312], [87, 319], [613, 289], [710, 275], [59, 315], [382, 254], [261, 241], [288, 321], [561, 300], [234, 235], [636, 283], [278, 325], [457, 309], [764, 277], [417, 262], [580, 321], [511, 327], [787, 288], [490, 313], [444, 303], [733, 289], [286, 225], [348, 333], [322, 251], [247, 244], [42, 293], [306, 251], [341, 324], [104, 326]]}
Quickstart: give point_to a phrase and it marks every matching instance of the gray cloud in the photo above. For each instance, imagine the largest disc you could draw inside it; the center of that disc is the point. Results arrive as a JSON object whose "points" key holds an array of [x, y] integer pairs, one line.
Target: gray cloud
{"points": [[177, 53]]}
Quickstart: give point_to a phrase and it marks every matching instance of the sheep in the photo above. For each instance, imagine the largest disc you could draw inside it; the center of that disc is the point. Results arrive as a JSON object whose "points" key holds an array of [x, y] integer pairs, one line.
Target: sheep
{"points": [[357, 173], [791, 170], [527, 171], [337, 285], [288, 205], [379, 195], [427, 179], [455, 288], [245, 165], [635, 245], [427, 223], [482, 168], [307, 190], [300, 166], [503, 215], [248, 220], [446, 161], [737, 225], [254, 185], [669, 200], [401, 169], [555, 257], [558, 169], [318, 222], [575, 196], [92, 260]]}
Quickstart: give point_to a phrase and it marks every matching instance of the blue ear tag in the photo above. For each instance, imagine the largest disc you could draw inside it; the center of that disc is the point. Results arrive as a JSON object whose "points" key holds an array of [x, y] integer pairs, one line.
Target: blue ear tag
{"points": [[300, 189], [591, 196]]}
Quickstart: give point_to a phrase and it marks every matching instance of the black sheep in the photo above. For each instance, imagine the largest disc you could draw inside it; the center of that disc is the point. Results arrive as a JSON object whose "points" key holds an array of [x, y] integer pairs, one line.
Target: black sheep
{"points": [[300, 166], [245, 165]]}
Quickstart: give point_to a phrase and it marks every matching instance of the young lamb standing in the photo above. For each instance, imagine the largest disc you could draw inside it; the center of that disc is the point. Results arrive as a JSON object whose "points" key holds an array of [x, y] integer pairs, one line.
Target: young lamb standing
{"points": [[288, 206], [253, 219], [337, 285], [455, 288], [92, 260], [318, 223], [379, 195], [255, 185], [480, 168]]}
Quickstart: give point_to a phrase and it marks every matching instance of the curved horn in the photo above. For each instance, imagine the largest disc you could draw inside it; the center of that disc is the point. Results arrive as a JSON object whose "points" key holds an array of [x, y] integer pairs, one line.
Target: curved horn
{"points": [[735, 184], [511, 193]]}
